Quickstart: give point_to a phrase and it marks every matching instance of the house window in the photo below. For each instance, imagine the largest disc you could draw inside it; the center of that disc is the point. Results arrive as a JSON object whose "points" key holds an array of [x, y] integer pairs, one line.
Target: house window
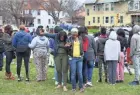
{"points": [[131, 5], [107, 20], [94, 8], [39, 21], [38, 12], [112, 20], [49, 21], [136, 6], [121, 19], [88, 12], [99, 7], [30, 11], [26, 11], [88, 22], [93, 19], [106, 7], [103, 19], [112, 7], [98, 19]]}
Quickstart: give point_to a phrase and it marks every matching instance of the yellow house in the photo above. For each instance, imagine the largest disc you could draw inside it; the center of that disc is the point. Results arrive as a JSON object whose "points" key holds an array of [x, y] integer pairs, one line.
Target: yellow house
{"points": [[107, 13]]}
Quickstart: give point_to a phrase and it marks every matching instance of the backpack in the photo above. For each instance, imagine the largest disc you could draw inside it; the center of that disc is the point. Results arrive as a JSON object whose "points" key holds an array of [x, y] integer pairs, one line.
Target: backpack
{"points": [[1, 46], [22, 47]]}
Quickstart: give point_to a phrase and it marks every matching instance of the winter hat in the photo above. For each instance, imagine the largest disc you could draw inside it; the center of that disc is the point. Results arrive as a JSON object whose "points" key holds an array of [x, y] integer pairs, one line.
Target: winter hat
{"points": [[57, 29], [74, 30]]}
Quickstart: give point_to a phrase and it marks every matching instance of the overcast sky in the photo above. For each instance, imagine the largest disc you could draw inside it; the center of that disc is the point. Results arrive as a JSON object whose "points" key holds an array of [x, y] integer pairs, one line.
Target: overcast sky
{"points": [[82, 1]]}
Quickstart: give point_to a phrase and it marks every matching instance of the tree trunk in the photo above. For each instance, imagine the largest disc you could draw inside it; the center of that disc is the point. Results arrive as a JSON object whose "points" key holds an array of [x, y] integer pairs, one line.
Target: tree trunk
{"points": [[55, 21], [17, 21], [72, 19]]}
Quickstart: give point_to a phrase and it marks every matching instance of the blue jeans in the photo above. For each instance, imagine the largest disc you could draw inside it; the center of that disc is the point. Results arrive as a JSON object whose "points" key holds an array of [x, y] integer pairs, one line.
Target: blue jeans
{"points": [[90, 66], [55, 73], [1, 60], [76, 65]]}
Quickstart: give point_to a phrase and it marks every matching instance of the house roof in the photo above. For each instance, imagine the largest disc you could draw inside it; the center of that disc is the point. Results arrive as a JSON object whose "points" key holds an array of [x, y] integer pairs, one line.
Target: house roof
{"points": [[107, 1], [100, 1], [90, 1]]}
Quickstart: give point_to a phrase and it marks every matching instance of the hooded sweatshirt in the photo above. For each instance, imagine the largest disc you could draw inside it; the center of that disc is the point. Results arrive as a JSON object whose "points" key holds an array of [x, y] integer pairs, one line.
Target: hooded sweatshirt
{"points": [[135, 41], [21, 38], [112, 48], [39, 42], [100, 43]]}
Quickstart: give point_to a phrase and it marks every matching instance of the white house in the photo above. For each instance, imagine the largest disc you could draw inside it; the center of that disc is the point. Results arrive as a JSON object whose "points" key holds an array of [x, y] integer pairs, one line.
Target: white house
{"points": [[38, 15]]}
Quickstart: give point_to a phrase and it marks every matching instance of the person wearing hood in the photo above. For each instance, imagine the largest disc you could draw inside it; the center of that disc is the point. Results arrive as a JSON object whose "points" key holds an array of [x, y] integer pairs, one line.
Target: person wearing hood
{"points": [[40, 46], [9, 50], [20, 42], [135, 53], [112, 45], [100, 43]]}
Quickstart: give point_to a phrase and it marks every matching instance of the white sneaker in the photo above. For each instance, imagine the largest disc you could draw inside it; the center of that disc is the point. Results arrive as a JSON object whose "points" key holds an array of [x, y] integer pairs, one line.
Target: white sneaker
{"points": [[53, 78], [89, 84], [56, 83]]}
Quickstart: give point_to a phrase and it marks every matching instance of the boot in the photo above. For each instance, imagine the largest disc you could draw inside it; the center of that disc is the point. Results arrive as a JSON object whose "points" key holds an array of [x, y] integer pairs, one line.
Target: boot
{"points": [[9, 76]]}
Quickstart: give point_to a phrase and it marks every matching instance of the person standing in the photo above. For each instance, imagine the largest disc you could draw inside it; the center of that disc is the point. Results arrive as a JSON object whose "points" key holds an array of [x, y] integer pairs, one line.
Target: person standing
{"points": [[112, 45], [120, 65], [135, 53], [90, 51], [40, 46], [1, 49], [61, 57], [20, 42], [100, 43], [9, 50], [75, 45]]}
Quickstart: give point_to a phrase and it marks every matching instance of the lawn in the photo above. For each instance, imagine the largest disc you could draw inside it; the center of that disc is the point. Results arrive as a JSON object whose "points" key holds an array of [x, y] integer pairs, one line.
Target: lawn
{"points": [[48, 87], [91, 31]]}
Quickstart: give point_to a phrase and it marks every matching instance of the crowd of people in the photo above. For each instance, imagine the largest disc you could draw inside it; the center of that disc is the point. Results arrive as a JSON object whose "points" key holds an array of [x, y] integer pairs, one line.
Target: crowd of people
{"points": [[74, 54]]}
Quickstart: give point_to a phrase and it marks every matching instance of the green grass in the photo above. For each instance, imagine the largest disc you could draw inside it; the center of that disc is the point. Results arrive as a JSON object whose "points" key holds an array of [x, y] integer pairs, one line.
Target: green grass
{"points": [[93, 30], [48, 87]]}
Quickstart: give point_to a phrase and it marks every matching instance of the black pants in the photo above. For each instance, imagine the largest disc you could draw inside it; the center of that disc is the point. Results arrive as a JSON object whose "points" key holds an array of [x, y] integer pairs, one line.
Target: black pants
{"points": [[1, 60], [26, 57], [84, 72], [9, 58]]}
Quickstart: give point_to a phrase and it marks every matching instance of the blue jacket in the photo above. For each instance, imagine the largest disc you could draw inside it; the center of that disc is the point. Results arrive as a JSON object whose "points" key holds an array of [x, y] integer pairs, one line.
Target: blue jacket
{"points": [[51, 44], [21, 38]]}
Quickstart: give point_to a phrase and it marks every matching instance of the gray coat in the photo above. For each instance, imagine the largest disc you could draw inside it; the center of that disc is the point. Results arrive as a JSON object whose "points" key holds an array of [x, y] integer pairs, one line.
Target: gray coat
{"points": [[7, 42], [100, 44], [135, 41], [91, 53]]}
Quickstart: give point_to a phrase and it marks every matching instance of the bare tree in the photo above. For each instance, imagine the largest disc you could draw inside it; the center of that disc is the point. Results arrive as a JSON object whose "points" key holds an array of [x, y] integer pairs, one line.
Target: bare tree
{"points": [[53, 7], [13, 7], [71, 6]]}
